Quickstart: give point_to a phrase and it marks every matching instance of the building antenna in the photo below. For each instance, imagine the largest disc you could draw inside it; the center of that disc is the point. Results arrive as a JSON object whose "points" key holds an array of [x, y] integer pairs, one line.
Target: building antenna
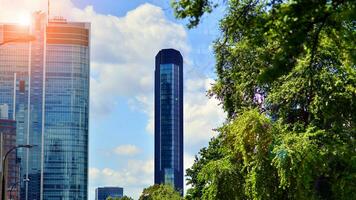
{"points": [[48, 10]]}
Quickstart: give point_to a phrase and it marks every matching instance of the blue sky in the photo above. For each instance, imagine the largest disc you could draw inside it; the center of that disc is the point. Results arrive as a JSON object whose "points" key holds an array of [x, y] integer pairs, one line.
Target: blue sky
{"points": [[125, 37]]}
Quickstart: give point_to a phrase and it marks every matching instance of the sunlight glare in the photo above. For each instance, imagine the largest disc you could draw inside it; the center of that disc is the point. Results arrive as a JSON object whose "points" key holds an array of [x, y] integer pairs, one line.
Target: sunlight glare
{"points": [[24, 20]]}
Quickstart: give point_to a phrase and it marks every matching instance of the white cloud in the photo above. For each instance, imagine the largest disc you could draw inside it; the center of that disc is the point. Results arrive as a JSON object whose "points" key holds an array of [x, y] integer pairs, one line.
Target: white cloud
{"points": [[135, 176], [201, 114], [94, 173], [127, 150], [123, 51], [188, 162]]}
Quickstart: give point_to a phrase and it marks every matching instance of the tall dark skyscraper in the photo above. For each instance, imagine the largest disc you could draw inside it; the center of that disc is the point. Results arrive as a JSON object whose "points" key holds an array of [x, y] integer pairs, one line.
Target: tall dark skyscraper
{"points": [[45, 85], [169, 118]]}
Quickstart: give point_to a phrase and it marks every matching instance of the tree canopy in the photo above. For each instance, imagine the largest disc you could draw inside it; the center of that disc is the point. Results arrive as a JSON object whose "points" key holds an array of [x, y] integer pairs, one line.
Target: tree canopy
{"points": [[286, 76], [122, 198], [159, 192]]}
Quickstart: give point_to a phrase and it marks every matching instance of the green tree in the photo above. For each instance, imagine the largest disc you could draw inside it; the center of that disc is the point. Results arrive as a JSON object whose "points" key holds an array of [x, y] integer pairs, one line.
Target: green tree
{"points": [[286, 76], [210, 153], [242, 170], [126, 198], [122, 198], [160, 192]]}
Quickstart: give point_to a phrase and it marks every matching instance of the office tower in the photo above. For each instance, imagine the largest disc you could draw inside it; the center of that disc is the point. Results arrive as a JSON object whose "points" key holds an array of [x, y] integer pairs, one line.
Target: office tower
{"points": [[46, 85], [102, 193], [169, 119], [4, 111], [8, 141]]}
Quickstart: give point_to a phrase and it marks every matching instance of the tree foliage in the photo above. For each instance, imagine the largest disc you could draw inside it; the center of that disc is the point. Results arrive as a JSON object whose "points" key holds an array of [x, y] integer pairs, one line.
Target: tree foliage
{"points": [[122, 198], [211, 153], [192, 9], [126, 198], [286, 76], [159, 192]]}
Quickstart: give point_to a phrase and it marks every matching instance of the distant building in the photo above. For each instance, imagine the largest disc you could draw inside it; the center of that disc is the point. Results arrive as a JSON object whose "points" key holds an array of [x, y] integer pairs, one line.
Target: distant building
{"points": [[169, 119], [102, 193], [45, 84], [4, 111], [8, 141]]}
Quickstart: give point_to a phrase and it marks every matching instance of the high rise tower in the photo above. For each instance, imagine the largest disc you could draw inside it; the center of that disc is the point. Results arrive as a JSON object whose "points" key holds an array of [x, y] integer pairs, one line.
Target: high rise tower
{"points": [[169, 118], [46, 85]]}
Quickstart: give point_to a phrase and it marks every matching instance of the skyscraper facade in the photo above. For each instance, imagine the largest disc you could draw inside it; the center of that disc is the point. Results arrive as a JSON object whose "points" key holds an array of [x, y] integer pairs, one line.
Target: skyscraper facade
{"points": [[7, 142], [46, 85], [102, 193], [169, 119]]}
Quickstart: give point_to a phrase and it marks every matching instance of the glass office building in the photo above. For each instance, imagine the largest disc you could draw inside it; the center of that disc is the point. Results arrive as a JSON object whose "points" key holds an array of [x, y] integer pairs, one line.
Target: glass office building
{"points": [[46, 85], [169, 119], [8, 141], [102, 193]]}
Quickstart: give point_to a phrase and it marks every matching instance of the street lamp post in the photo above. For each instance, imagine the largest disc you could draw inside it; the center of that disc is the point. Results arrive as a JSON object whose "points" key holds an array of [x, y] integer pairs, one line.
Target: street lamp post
{"points": [[28, 146]]}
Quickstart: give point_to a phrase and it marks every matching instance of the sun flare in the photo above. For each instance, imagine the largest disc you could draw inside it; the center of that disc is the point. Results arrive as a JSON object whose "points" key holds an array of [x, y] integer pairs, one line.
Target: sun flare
{"points": [[24, 20]]}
